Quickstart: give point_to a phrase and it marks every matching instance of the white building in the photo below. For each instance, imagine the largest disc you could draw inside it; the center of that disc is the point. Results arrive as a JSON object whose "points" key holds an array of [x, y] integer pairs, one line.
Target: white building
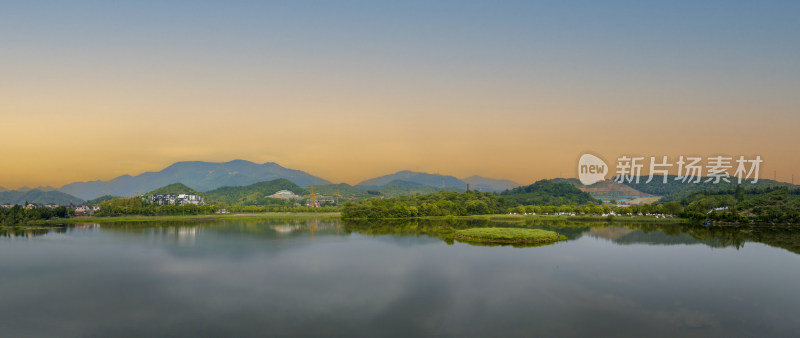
{"points": [[177, 199]]}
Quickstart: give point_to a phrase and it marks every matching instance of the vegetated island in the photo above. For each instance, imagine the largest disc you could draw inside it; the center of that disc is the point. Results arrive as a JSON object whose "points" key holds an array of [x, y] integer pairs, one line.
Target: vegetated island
{"points": [[508, 236]]}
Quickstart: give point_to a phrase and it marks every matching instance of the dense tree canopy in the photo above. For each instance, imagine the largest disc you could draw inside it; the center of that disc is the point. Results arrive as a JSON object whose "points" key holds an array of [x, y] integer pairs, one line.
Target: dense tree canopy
{"points": [[18, 215], [764, 204]]}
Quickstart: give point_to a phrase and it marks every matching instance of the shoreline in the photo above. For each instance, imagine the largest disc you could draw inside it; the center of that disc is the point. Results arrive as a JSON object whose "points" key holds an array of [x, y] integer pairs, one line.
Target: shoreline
{"points": [[337, 215]]}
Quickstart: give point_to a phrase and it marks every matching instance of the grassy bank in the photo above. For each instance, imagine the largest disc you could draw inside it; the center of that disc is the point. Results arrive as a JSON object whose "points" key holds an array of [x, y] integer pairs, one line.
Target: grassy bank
{"points": [[582, 218], [248, 216], [508, 235]]}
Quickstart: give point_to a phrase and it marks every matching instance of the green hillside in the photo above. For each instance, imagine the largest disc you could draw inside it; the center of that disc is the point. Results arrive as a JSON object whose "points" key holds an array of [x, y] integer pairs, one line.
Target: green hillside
{"points": [[38, 197], [254, 194], [174, 188], [549, 192]]}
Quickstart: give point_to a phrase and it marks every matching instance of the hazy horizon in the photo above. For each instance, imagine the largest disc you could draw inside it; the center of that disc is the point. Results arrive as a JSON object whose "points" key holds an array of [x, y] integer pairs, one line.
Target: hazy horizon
{"points": [[357, 89]]}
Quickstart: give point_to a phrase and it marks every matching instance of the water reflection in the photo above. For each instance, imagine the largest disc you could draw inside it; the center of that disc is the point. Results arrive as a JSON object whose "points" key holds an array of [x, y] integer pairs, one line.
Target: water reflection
{"points": [[395, 278], [186, 233], [22, 232]]}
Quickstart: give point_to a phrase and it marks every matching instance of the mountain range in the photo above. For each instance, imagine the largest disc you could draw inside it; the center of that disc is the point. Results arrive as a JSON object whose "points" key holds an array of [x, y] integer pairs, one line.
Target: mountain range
{"points": [[207, 176], [489, 184], [201, 176]]}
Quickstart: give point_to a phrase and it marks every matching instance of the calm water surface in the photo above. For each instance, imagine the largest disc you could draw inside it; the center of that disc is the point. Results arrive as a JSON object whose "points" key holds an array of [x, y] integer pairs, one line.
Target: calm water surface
{"points": [[327, 278]]}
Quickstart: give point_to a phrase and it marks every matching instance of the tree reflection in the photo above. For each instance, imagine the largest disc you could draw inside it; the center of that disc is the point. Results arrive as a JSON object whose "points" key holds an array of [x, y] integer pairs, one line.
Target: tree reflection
{"points": [[639, 233]]}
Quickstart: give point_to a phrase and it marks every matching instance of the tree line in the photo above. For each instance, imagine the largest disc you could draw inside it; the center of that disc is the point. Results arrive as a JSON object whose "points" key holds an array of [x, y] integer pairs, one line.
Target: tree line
{"points": [[477, 203], [17, 215], [139, 206], [442, 203]]}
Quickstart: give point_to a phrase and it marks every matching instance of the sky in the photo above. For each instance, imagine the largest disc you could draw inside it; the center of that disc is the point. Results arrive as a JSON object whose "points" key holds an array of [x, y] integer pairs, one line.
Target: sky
{"points": [[350, 90]]}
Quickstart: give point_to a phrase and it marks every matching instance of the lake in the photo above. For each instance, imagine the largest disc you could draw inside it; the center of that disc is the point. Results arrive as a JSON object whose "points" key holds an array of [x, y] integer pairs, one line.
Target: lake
{"points": [[329, 278]]}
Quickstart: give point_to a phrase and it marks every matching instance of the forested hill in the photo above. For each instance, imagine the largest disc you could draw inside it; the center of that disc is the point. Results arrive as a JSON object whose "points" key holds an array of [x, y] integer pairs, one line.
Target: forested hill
{"points": [[765, 204], [675, 190], [549, 192], [254, 194]]}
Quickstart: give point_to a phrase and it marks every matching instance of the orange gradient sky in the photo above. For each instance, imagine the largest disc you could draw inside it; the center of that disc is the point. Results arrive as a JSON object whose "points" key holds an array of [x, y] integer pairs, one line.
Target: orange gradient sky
{"points": [[92, 91]]}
